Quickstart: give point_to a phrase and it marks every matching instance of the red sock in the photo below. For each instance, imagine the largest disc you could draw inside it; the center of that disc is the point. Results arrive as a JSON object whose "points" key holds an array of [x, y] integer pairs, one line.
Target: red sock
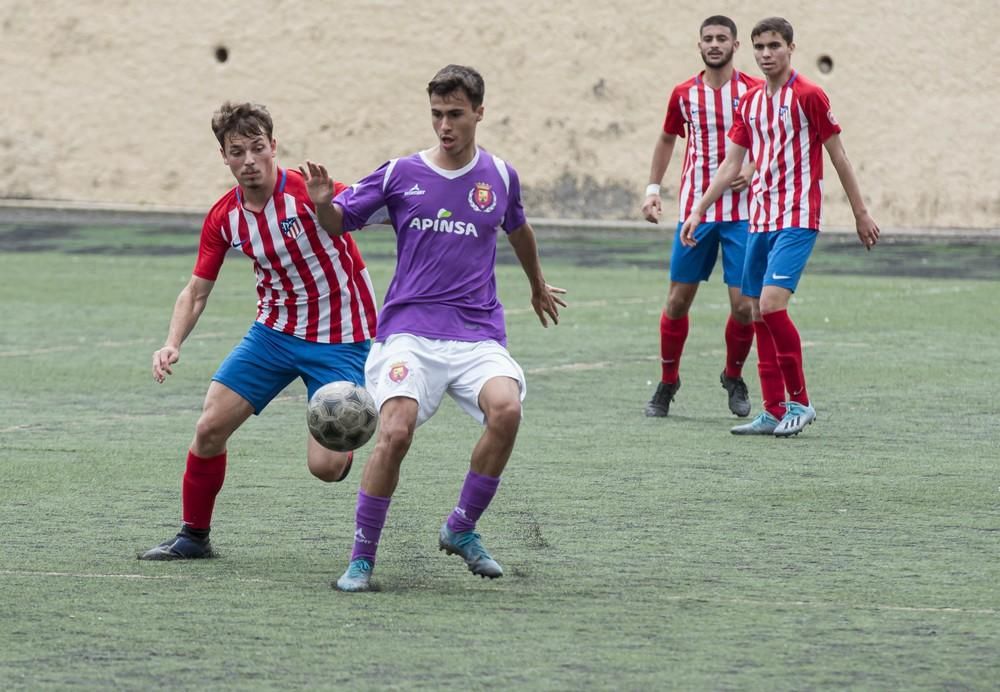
{"points": [[739, 339], [789, 349], [772, 385], [202, 481], [673, 334]]}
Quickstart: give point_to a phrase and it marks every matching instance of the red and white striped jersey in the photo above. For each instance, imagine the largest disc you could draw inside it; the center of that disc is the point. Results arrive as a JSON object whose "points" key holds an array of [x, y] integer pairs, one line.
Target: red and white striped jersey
{"points": [[706, 114], [309, 284], [785, 134]]}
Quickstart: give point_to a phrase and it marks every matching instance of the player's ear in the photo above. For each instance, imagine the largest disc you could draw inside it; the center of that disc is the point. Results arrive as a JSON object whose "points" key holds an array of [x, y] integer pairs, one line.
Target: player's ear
{"points": [[479, 113], [222, 153], [274, 145]]}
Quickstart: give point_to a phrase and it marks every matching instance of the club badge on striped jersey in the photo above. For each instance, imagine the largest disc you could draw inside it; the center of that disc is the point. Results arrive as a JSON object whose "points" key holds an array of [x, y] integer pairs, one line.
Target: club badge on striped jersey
{"points": [[291, 227], [398, 371], [482, 198]]}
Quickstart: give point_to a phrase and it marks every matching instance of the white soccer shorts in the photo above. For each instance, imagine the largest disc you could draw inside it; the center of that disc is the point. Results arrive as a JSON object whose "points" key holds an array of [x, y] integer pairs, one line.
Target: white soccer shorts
{"points": [[426, 369]]}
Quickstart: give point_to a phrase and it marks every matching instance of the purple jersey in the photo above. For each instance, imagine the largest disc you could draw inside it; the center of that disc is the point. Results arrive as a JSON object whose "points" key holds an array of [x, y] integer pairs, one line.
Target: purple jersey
{"points": [[446, 224]]}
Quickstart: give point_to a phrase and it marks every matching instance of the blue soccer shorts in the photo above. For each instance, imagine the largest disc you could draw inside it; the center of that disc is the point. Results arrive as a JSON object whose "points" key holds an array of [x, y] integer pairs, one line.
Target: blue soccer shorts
{"points": [[690, 265], [266, 361], [776, 258]]}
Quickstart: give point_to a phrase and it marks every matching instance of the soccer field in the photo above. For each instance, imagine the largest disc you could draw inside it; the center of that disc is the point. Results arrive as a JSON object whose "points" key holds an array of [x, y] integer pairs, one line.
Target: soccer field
{"points": [[639, 553]]}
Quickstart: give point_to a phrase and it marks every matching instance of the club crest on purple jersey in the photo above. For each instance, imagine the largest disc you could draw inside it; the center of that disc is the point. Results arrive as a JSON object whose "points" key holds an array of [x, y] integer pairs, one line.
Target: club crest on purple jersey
{"points": [[482, 198]]}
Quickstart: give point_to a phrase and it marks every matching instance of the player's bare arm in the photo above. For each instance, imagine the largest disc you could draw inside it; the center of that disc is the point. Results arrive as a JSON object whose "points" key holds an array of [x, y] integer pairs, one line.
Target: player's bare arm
{"points": [[652, 207], [868, 230], [190, 304], [320, 188], [545, 299], [730, 168]]}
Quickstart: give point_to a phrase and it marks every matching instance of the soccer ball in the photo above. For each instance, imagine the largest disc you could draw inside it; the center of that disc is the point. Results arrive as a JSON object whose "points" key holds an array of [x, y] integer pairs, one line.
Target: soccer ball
{"points": [[341, 416]]}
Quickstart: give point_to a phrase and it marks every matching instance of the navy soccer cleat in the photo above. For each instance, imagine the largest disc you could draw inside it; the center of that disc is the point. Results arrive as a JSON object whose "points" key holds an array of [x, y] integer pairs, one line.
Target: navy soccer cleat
{"points": [[659, 405], [739, 399], [180, 547]]}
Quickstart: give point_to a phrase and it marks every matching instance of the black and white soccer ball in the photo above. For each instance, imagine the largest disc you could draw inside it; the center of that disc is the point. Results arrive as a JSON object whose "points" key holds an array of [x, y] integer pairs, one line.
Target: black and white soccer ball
{"points": [[341, 416]]}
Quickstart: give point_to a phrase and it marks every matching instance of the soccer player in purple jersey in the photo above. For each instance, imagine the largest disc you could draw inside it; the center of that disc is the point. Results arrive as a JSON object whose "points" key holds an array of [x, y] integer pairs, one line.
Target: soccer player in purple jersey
{"points": [[441, 328]]}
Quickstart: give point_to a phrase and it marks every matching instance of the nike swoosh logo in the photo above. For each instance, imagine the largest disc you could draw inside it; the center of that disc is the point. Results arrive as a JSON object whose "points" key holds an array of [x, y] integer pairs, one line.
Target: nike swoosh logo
{"points": [[237, 243], [779, 277]]}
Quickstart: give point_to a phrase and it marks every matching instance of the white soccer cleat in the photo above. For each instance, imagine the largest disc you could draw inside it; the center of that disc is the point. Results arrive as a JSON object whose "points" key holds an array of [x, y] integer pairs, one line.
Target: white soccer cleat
{"points": [[796, 418]]}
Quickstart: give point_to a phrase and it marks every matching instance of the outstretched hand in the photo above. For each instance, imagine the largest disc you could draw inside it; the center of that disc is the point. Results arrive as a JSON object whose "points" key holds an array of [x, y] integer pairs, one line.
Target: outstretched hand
{"points": [[547, 302], [318, 183]]}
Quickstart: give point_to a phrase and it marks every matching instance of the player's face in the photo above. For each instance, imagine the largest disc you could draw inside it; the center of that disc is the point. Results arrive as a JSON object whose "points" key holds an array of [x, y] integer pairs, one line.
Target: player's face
{"points": [[454, 120], [772, 53], [717, 46], [251, 159]]}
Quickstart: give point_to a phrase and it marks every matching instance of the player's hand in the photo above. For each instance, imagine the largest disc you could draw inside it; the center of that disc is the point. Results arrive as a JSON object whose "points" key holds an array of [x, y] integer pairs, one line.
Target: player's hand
{"points": [[687, 230], [652, 208], [162, 360], [547, 302], [868, 230], [318, 183], [740, 182]]}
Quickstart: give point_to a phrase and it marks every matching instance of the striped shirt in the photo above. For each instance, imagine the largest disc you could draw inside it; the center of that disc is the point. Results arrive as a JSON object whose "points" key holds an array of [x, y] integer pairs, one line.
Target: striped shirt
{"points": [[706, 114], [785, 134], [309, 284]]}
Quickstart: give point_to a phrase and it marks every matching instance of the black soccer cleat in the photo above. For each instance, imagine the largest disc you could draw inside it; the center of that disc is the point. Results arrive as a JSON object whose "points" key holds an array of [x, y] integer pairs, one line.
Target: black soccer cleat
{"points": [[739, 399], [659, 405], [180, 547]]}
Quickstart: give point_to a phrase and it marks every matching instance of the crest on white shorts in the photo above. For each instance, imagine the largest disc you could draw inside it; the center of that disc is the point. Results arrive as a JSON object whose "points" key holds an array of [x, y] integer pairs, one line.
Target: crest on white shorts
{"points": [[398, 371]]}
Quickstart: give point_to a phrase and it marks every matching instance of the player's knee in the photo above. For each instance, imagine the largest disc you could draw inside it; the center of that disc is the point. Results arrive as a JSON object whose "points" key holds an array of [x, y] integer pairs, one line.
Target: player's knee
{"points": [[330, 470], [505, 416], [396, 434], [743, 312], [208, 434]]}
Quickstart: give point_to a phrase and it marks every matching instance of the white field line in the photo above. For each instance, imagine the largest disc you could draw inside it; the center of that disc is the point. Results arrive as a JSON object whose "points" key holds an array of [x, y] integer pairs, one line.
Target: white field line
{"points": [[816, 605], [82, 345]]}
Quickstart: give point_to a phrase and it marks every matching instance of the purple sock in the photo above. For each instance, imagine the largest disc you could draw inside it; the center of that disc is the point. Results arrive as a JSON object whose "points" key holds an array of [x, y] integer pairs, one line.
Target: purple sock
{"points": [[477, 491], [369, 518]]}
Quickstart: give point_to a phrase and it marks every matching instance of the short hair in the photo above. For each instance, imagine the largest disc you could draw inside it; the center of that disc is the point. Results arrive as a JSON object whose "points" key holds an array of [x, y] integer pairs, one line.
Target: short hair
{"points": [[452, 78], [719, 20], [779, 25], [247, 119]]}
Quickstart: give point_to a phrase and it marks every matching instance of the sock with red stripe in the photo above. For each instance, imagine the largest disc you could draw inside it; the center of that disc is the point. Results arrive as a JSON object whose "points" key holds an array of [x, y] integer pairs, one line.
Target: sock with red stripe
{"points": [[673, 334], [203, 478], [739, 339], [772, 385], [789, 349]]}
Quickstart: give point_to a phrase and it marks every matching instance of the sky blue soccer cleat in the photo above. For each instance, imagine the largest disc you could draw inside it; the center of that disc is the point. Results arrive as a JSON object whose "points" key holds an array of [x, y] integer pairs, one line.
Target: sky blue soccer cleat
{"points": [[467, 545], [796, 418], [358, 576], [763, 424], [180, 547]]}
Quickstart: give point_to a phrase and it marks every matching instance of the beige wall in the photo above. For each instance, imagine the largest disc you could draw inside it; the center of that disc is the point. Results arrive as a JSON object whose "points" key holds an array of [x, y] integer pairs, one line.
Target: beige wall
{"points": [[110, 101]]}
